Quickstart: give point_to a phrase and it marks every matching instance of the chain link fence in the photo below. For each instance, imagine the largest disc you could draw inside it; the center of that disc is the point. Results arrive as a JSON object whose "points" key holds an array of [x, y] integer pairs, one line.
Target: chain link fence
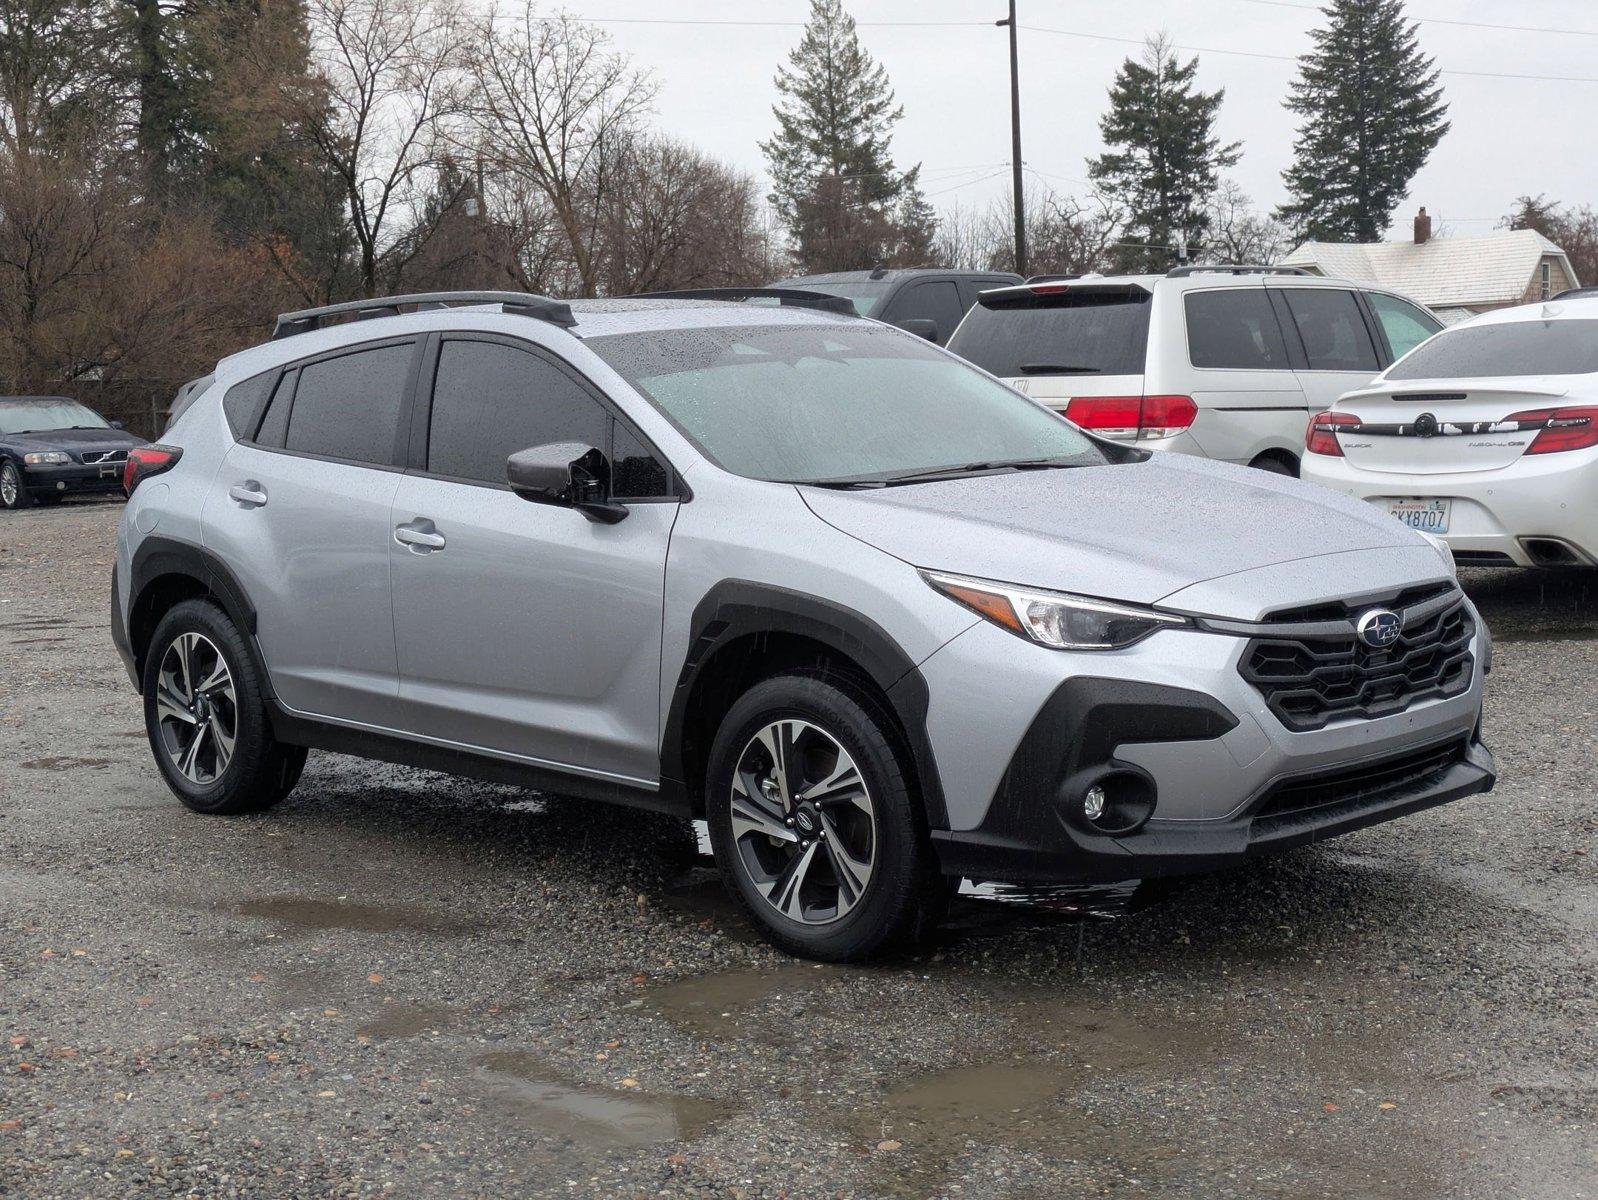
{"points": [[140, 405]]}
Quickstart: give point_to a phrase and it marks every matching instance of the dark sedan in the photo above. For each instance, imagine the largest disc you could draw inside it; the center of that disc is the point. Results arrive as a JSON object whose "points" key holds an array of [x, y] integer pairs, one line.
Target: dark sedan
{"points": [[52, 447]]}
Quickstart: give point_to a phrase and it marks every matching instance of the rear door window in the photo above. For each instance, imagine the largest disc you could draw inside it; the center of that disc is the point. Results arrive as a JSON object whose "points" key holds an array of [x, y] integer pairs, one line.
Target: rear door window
{"points": [[935, 300], [1057, 333], [1333, 329], [1234, 329], [1404, 325], [349, 407]]}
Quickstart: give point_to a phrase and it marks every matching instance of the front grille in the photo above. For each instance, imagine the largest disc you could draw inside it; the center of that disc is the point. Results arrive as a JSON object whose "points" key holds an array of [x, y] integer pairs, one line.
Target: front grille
{"points": [[105, 456], [1363, 786], [1315, 678]]}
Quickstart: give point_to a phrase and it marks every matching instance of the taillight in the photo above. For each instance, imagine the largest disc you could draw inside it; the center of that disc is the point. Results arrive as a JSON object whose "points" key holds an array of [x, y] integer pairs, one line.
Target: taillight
{"points": [[1321, 436], [1132, 417], [145, 461], [1562, 428]]}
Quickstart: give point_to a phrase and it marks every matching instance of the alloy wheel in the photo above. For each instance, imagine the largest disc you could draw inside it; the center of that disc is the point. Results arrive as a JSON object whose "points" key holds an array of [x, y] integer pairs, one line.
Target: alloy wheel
{"points": [[196, 708], [10, 485], [803, 822]]}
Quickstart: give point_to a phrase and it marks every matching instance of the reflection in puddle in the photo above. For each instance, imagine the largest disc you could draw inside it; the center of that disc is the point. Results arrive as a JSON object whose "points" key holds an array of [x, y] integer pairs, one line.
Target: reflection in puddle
{"points": [[304, 912], [523, 1086]]}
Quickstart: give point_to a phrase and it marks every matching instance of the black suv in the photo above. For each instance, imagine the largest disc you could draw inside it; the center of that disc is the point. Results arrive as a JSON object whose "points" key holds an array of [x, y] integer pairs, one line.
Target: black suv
{"points": [[922, 300]]}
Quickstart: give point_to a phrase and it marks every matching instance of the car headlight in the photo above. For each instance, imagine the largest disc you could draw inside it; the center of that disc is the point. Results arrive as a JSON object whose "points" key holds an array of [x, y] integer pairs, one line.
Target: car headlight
{"points": [[46, 457], [1058, 620]]}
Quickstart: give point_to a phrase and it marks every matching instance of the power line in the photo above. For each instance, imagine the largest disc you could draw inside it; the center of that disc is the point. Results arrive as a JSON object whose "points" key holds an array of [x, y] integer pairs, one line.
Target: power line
{"points": [[1315, 8]]}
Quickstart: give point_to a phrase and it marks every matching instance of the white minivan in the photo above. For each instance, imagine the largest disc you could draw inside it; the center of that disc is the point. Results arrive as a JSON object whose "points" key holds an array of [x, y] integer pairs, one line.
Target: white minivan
{"points": [[1221, 362]]}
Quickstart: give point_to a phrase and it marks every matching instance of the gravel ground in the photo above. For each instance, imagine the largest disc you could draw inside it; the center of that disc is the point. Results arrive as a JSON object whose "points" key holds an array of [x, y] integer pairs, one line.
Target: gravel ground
{"points": [[402, 983]]}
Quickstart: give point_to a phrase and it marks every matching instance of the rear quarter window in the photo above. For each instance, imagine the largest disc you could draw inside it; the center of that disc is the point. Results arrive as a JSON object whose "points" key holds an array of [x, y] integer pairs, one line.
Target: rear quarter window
{"points": [[1061, 333], [1234, 329]]}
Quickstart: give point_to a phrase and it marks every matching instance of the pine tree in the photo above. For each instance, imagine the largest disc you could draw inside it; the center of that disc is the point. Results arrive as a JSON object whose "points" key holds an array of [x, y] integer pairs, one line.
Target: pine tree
{"points": [[1164, 159], [1372, 112], [837, 190]]}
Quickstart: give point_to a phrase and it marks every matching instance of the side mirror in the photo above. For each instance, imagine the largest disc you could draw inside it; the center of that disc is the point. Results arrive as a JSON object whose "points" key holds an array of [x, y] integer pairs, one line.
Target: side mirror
{"points": [[921, 327], [568, 474], [114, 424]]}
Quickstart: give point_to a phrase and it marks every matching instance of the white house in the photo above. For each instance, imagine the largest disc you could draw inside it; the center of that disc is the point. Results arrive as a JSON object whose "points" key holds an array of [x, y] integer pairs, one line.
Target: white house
{"points": [[1456, 277]]}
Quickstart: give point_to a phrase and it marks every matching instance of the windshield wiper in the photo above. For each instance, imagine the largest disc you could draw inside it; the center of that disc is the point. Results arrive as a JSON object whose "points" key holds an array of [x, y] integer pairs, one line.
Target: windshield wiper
{"points": [[931, 474], [1044, 368]]}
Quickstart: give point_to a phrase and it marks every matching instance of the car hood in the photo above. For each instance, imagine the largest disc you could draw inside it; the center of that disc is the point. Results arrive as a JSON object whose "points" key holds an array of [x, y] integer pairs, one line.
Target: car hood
{"points": [[74, 441], [1142, 532]]}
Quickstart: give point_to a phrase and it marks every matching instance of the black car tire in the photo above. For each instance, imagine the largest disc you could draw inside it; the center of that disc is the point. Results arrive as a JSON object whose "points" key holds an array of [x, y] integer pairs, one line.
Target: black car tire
{"points": [[905, 896], [12, 484], [260, 770]]}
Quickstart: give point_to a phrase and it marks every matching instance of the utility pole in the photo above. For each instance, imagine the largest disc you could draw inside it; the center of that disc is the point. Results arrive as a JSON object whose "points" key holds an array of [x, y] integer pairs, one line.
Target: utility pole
{"points": [[1015, 144]]}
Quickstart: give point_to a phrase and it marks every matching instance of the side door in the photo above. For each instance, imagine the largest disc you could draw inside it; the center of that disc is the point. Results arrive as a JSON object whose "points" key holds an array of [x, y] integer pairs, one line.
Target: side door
{"points": [[933, 305], [525, 629], [1337, 339], [300, 512], [1239, 372]]}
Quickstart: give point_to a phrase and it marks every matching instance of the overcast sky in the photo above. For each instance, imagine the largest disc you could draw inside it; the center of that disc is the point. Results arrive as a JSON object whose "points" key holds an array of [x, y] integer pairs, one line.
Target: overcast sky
{"points": [[1509, 136]]}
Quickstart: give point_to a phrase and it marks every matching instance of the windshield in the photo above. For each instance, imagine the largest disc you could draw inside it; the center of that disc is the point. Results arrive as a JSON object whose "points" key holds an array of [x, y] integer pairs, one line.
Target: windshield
{"points": [[1060, 333], [43, 415], [832, 403], [1511, 348], [863, 294]]}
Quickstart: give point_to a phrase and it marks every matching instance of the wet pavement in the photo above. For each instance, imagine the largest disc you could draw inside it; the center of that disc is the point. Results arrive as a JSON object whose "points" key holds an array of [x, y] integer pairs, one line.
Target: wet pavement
{"points": [[399, 983]]}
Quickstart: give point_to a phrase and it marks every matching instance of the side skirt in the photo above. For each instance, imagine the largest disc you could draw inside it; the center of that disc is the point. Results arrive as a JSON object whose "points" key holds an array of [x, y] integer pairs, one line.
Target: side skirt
{"points": [[298, 730]]}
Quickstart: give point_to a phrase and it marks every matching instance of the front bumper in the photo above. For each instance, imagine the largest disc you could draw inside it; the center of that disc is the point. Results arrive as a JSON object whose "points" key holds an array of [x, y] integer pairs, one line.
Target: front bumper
{"points": [[1543, 496], [73, 478], [1229, 780]]}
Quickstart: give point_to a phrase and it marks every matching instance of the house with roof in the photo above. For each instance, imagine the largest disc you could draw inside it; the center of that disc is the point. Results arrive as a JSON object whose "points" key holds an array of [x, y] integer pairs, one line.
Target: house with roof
{"points": [[1455, 277]]}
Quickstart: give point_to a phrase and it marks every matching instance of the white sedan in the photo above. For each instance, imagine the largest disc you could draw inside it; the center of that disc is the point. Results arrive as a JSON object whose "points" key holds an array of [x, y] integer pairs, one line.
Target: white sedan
{"points": [[1485, 435]]}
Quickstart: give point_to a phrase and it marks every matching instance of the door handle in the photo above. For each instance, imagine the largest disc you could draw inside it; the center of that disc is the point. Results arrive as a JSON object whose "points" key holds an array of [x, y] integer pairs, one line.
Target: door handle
{"points": [[249, 493], [421, 535]]}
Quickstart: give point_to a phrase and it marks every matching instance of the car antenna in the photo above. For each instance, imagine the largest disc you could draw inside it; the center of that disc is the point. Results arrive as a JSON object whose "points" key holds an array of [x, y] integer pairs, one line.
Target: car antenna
{"points": [[878, 271]]}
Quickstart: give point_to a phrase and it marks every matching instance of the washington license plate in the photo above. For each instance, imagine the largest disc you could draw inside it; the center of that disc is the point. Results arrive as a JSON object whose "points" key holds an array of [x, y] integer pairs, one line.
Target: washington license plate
{"points": [[1429, 516]]}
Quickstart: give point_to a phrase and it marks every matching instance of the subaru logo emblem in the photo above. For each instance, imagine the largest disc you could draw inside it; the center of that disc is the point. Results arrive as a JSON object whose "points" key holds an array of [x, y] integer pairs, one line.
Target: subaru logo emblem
{"points": [[1379, 628]]}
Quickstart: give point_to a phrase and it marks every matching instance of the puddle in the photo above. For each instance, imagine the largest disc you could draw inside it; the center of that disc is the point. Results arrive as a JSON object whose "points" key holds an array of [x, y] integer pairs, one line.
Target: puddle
{"points": [[66, 763], [699, 895], [719, 1005], [304, 912], [409, 1020], [523, 1086]]}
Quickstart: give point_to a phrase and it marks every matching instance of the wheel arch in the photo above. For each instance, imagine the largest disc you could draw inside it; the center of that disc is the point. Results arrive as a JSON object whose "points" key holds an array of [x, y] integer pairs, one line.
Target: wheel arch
{"points": [[167, 572], [744, 632]]}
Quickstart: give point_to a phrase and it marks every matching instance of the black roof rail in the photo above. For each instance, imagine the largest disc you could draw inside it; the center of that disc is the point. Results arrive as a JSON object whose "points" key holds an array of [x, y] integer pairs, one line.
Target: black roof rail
{"points": [[1184, 272], [785, 297], [1573, 293], [556, 312]]}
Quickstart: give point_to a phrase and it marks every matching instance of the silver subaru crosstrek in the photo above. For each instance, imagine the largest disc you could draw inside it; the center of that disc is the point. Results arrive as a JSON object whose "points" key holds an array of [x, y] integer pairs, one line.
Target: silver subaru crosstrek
{"points": [[882, 621]]}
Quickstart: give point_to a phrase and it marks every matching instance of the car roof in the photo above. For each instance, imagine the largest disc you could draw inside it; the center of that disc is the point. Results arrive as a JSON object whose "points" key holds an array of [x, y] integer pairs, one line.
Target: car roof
{"points": [[1220, 277], [36, 399], [1572, 308], [886, 275]]}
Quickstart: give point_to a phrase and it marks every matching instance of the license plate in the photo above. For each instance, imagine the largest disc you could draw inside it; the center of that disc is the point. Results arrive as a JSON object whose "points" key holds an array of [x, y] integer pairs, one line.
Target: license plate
{"points": [[1429, 516]]}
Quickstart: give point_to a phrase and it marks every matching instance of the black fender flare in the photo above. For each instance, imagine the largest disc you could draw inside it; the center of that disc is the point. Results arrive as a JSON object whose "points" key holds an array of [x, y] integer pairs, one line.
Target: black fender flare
{"points": [[162, 557], [736, 608]]}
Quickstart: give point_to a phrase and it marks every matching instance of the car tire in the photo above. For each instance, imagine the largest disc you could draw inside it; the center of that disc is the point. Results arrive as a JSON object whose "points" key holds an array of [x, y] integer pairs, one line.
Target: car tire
{"points": [[837, 873], [13, 492], [205, 716], [1276, 464]]}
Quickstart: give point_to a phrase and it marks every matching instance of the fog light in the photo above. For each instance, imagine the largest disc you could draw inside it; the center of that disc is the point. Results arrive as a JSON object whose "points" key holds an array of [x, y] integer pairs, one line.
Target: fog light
{"points": [[1093, 803]]}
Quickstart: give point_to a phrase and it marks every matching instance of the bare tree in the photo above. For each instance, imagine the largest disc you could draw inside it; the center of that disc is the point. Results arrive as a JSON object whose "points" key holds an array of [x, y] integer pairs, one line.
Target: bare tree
{"points": [[553, 107], [1238, 233], [394, 70], [1068, 235]]}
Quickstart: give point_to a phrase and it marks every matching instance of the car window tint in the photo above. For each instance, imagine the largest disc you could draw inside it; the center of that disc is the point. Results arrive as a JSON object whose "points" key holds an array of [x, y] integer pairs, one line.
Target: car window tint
{"points": [[1505, 349], [1405, 325], [1235, 329], [936, 300], [491, 400], [349, 407], [274, 425], [1333, 331], [241, 405], [639, 475], [1058, 333]]}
